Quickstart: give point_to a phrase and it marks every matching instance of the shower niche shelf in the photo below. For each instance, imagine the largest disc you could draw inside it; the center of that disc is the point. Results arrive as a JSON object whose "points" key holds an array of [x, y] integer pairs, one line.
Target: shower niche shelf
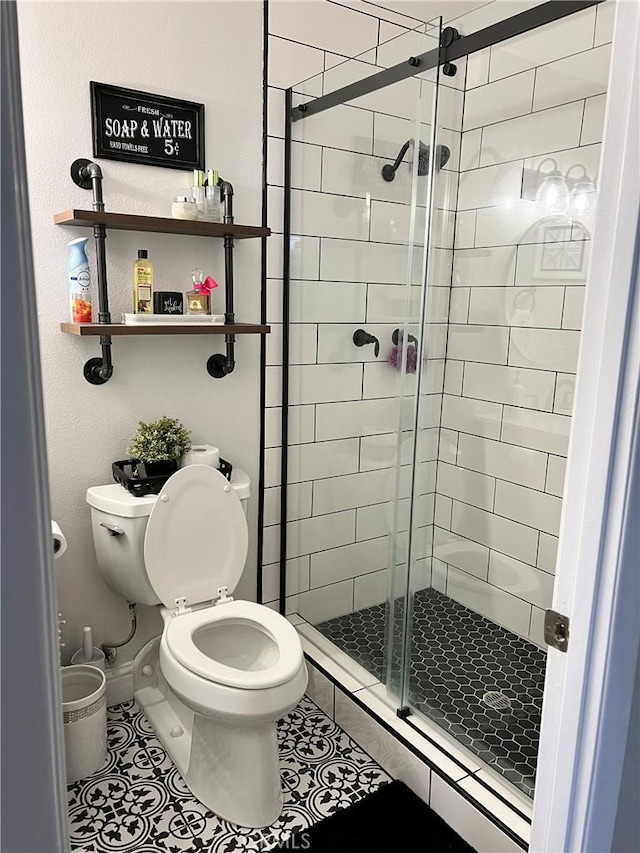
{"points": [[97, 371]]}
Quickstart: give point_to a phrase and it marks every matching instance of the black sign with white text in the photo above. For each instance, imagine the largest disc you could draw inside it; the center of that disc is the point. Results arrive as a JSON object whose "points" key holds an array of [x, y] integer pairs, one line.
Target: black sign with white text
{"points": [[138, 127]]}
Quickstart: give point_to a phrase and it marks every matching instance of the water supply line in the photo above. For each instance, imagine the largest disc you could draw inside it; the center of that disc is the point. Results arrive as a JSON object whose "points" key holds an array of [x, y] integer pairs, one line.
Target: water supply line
{"points": [[109, 649]]}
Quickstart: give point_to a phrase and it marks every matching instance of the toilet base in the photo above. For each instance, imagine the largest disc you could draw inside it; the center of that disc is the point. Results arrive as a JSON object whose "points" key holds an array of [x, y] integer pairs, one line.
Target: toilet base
{"points": [[162, 708], [234, 771]]}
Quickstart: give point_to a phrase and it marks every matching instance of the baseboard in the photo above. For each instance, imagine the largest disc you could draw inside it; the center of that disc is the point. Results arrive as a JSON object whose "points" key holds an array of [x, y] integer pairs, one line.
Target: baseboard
{"points": [[119, 683]]}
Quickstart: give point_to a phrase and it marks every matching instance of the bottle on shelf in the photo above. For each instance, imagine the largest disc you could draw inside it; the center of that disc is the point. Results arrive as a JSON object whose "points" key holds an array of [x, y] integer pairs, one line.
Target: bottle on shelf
{"points": [[212, 198], [79, 281], [184, 207], [198, 300], [142, 284]]}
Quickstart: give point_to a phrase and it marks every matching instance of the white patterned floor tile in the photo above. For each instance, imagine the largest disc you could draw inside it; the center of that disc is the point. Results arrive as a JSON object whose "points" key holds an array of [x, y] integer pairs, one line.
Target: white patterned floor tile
{"points": [[137, 801]]}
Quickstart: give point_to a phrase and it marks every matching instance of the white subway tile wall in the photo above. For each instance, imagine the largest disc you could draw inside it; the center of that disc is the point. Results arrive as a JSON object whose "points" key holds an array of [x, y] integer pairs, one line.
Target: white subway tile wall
{"points": [[350, 268], [532, 105], [504, 309]]}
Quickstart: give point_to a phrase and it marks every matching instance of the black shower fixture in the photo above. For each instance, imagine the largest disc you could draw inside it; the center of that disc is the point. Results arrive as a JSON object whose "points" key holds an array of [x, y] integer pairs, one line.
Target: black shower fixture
{"points": [[424, 151]]}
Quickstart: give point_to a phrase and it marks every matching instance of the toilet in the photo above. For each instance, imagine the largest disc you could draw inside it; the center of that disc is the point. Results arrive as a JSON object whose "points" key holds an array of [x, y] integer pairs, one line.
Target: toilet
{"points": [[222, 673]]}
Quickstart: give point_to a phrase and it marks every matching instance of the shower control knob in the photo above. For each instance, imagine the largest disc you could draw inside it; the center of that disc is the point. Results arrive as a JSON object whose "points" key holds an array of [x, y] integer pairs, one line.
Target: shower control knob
{"points": [[361, 338]]}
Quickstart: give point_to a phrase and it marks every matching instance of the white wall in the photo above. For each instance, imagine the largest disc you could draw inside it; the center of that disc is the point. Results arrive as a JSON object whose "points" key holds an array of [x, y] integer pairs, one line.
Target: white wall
{"points": [[152, 48]]}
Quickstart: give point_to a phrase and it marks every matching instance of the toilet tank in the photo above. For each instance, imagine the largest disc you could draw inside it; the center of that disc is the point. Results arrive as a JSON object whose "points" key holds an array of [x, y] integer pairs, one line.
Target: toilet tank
{"points": [[119, 522]]}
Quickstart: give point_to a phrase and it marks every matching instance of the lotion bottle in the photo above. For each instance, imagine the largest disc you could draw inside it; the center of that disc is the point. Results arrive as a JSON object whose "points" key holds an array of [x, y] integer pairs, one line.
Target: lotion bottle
{"points": [[142, 284]]}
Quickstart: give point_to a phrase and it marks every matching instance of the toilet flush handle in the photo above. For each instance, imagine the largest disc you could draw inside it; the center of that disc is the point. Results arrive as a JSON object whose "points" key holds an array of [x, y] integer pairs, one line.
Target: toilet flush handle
{"points": [[112, 529]]}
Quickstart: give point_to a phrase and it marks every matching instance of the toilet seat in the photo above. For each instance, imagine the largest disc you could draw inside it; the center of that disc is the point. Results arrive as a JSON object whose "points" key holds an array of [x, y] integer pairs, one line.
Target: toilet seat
{"points": [[196, 539], [179, 636]]}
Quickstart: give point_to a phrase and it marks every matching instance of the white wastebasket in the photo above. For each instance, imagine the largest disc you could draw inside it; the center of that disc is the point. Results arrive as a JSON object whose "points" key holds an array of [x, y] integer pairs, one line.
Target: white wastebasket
{"points": [[84, 715]]}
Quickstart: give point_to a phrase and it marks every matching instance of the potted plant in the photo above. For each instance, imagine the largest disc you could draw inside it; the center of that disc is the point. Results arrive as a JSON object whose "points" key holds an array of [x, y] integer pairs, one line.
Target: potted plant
{"points": [[158, 446]]}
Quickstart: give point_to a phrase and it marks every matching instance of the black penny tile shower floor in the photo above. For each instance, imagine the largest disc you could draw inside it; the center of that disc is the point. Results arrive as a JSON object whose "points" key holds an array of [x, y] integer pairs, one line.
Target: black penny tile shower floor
{"points": [[137, 801], [457, 660]]}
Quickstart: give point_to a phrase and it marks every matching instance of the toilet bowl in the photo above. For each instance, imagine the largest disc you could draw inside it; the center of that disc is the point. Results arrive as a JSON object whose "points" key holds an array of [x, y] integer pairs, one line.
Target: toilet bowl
{"points": [[223, 671]]}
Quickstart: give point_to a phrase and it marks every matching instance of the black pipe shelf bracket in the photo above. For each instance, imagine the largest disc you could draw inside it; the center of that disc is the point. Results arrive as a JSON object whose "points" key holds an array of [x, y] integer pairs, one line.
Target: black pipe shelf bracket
{"points": [[220, 365], [88, 176]]}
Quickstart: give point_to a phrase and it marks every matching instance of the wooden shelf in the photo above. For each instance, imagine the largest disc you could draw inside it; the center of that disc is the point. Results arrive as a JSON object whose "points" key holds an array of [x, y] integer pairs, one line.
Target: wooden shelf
{"points": [[95, 329], [158, 224]]}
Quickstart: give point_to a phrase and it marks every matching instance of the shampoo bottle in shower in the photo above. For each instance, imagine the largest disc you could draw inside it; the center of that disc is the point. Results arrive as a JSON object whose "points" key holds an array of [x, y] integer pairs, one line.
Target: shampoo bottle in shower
{"points": [[79, 281], [142, 284]]}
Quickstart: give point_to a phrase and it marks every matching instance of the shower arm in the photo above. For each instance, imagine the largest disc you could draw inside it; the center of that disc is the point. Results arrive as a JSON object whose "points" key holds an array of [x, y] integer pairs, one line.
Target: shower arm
{"points": [[389, 170]]}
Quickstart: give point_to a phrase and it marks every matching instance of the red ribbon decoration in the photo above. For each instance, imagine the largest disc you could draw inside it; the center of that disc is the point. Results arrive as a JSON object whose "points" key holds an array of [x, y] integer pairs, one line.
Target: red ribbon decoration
{"points": [[205, 287]]}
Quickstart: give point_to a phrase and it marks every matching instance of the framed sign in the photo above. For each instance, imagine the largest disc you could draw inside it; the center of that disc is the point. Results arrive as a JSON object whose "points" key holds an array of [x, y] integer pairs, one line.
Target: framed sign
{"points": [[138, 127]]}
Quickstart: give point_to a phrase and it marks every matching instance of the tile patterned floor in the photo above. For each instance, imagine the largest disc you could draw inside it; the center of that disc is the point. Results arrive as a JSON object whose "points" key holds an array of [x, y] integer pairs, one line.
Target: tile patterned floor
{"points": [[456, 657], [138, 801]]}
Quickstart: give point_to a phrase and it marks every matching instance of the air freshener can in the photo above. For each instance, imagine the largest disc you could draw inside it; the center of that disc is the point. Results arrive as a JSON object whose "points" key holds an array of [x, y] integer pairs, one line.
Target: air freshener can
{"points": [[79, 281]]}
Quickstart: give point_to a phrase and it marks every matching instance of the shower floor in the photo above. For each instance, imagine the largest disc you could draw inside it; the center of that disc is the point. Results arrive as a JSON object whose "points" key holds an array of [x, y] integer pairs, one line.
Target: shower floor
{"points": [[456, 657]]}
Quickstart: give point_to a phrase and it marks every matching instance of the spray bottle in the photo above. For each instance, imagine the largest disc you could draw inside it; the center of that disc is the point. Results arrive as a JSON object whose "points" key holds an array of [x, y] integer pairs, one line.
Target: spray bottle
{"points": [[79, 281]]}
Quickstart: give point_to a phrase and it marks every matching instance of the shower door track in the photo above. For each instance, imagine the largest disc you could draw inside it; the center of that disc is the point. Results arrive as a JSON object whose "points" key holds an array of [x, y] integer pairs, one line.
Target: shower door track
{"points": [[447, 52]]}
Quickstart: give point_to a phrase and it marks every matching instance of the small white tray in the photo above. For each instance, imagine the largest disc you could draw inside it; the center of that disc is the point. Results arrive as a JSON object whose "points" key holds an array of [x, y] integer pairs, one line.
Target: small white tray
{"points": [[172, 319]]}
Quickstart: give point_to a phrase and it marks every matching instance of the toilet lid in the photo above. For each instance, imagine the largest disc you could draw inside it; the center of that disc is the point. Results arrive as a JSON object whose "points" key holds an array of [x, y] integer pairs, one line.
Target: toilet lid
{"points": [[196, 538]]}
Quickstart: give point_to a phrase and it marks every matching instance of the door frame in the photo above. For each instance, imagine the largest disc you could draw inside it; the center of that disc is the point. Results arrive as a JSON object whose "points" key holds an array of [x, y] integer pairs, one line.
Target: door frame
{"points": [[589, 689], [33, 789]]}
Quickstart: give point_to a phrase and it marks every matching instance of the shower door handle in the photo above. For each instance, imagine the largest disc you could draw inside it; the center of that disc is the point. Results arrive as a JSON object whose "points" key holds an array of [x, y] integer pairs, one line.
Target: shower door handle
{"points": [[361, 338]]}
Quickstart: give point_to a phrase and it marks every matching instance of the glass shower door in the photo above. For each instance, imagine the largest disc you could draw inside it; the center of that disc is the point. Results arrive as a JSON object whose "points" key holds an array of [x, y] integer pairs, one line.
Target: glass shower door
{"points": [[435, 330], [359, 201], [475, 657], [421, 344]]}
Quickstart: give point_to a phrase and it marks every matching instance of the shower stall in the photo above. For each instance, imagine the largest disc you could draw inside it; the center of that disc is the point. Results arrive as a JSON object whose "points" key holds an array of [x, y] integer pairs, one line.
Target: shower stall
{"points": [[439, 199]]}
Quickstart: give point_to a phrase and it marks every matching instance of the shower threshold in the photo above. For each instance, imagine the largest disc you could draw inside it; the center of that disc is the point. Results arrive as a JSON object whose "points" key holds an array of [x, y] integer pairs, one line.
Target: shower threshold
{"points": [[477, 681]]}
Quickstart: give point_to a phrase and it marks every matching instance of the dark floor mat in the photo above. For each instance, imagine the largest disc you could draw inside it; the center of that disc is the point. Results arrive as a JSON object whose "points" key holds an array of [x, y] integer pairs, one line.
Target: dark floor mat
{"points": [[391, 820]]}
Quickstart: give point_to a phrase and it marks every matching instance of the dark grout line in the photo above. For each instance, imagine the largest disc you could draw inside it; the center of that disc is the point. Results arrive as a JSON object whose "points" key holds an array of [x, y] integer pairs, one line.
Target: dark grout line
{"points": [[540, 65]]}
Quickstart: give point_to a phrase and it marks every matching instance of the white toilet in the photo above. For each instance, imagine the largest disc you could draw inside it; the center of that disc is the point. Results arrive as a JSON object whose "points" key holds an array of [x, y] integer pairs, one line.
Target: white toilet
{"points": [[223, 671]]}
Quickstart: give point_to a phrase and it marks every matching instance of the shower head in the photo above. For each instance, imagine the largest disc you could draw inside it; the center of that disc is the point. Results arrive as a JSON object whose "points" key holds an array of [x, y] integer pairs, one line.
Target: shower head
{"points": [[424, 152]]}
